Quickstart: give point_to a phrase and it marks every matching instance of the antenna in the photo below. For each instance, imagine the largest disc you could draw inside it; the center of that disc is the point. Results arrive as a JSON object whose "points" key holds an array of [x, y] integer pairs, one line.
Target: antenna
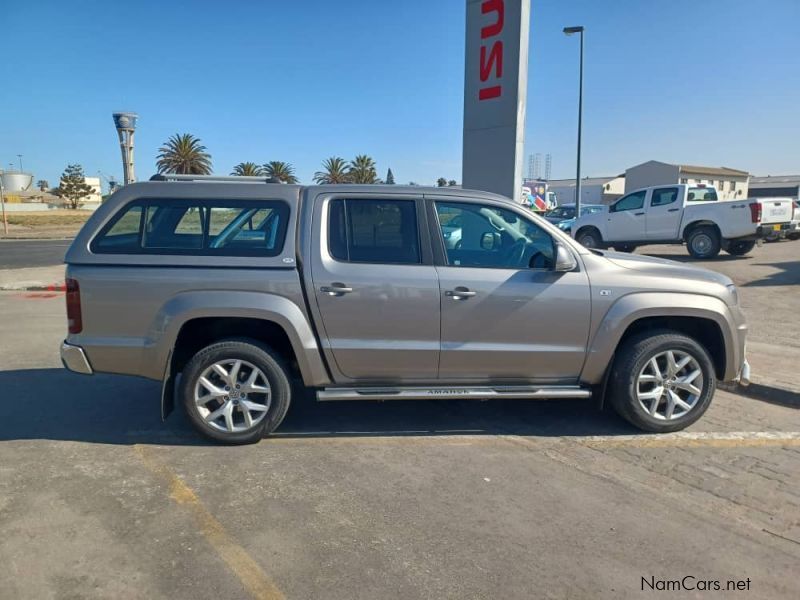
{"points": [[548, 163]]}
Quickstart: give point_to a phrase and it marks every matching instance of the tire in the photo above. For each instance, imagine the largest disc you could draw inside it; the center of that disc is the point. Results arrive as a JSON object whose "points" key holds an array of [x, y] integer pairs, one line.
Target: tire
{"points": [[272, 376], [740, 248], [590, 238], [634, 361], [703, 242], [624, 247]]}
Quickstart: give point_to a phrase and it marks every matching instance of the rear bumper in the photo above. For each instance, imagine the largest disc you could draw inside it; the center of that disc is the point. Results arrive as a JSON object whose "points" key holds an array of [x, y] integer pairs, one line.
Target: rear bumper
{"points": [[775, 228], [74, 359]]}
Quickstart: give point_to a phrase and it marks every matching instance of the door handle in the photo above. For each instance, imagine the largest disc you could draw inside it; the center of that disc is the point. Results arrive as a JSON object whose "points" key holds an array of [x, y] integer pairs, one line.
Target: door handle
{"points": [[460, 293], [639, 214], [335, 289], [673, 209]]}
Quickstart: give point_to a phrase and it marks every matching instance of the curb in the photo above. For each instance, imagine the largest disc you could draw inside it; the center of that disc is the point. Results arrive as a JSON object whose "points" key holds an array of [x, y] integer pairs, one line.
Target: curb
{"points": [[34, 286]]}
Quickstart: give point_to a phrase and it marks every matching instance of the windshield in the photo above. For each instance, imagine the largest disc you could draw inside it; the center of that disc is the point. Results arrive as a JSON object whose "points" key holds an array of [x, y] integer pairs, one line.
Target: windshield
{"points": [[562, 212]]}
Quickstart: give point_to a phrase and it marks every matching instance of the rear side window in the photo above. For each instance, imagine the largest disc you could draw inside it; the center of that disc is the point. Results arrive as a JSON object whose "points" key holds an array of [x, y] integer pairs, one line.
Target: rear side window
{"points": [[664, 196], [204, 228], [374, 231]]}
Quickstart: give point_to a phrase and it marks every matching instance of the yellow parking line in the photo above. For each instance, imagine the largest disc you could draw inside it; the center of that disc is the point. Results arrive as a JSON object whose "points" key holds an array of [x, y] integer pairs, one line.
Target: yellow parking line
{"points": [[238, 560]]}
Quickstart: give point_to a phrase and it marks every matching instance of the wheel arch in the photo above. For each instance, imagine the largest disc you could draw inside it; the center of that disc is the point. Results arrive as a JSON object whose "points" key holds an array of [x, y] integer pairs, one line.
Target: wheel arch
{"points": [[687, 230], [704, 318]]}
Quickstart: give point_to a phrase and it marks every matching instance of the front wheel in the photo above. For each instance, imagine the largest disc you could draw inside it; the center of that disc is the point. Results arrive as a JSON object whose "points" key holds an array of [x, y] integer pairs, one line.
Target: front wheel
{"points": [[661, 381], [235, 391], [590, 238], [740, 248]]}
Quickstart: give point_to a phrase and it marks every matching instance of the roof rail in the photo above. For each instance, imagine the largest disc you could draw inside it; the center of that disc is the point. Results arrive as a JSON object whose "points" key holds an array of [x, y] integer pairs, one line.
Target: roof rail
{"points": [[229, 178]]}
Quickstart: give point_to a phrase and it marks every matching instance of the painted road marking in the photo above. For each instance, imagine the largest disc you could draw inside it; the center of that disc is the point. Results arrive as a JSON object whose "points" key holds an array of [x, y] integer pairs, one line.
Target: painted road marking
{"points": [[696, 439], [238, 560]]}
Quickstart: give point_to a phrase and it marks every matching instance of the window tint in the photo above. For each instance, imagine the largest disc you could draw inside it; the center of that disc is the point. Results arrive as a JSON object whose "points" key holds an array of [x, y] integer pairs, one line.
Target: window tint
{"points": [[479, 235], [632, 201], [664, 196], [374, 231], [228, 228], [123, 235]]}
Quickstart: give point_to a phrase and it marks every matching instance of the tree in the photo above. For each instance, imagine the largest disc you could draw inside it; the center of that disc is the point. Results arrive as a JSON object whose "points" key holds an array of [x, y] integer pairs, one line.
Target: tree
{"points": [[362, 170], [248, 169], [73, 187], [334, 171], [280, 170], [441, 182], [43, 185], [452, 182], [389, 177], [183, 154]]}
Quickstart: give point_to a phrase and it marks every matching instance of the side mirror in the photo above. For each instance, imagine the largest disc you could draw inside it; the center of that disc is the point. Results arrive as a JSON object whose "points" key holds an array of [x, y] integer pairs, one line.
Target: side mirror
{"points": [[565, 260], [489, 240]]}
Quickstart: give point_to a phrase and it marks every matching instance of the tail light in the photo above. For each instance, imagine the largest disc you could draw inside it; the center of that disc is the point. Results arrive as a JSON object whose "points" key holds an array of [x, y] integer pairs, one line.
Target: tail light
{"points": [[74, 319], [755, 212], [795, 205]]}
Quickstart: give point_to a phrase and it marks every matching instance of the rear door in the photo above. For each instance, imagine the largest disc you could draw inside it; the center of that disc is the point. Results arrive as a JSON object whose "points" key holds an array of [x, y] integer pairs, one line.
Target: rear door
{"points": [[626, 218], [664, 213], [375, 287]]}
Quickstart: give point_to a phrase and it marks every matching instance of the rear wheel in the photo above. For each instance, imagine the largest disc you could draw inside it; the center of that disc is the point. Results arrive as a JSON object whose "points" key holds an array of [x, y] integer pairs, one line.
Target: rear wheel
{"points": [[590, 238], [624, 247], [703, 242], [740, 248], [661, 381], [235, 391]]}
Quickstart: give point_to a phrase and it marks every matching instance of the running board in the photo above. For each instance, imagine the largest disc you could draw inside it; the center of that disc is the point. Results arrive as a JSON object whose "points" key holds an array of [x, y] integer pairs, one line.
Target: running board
{"points": [[455, 392]]}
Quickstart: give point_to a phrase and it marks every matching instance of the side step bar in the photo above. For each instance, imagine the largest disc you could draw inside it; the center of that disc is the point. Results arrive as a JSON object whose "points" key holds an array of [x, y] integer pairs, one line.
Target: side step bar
{"points": [[455, 392]]}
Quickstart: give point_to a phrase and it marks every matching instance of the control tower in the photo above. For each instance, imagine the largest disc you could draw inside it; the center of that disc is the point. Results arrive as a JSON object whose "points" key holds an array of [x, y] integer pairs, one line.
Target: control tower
{"points": [[125, 122]]}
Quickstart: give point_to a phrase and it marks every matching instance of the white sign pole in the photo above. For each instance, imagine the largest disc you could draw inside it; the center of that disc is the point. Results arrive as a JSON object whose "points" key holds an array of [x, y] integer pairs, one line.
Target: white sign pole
{"points": [[495, 94]]}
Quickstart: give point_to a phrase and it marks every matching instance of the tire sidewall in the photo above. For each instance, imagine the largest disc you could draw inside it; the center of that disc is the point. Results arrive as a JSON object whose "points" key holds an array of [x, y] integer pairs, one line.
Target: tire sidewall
{"points": [[262, 357], [592, 235], [625, 381]]}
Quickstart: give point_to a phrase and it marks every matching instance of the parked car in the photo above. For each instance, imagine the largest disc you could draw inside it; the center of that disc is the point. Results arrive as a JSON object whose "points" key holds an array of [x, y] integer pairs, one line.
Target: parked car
{"points": [[230, 289], [794, 227], [563, 217], [674, 214]]}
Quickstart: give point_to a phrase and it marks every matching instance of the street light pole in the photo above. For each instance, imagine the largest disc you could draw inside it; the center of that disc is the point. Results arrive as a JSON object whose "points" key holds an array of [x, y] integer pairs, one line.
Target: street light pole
{"points": [[3, 204], [570, 31]]}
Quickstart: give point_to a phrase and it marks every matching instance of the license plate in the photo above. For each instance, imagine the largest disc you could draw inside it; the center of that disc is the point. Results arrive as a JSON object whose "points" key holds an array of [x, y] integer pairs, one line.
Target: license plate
{"points": [[776, 227]]}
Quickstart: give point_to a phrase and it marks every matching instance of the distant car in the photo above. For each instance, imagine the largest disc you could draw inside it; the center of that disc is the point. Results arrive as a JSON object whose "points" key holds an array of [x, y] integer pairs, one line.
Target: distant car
{"points": [[564, 216], [452, 233]]}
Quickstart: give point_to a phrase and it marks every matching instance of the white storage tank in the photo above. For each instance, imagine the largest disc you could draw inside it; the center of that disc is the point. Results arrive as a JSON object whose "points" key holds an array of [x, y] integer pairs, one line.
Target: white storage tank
{"points": [[16, 181]]}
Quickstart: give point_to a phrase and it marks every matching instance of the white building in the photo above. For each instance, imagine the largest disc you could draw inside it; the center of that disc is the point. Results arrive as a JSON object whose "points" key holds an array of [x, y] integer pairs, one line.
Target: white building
{"points": [[594, 190], [730, 183]]}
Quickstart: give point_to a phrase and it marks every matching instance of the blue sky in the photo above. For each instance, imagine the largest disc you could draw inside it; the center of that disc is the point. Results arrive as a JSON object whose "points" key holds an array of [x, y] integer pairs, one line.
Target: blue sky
{"points": [[713, 82]]}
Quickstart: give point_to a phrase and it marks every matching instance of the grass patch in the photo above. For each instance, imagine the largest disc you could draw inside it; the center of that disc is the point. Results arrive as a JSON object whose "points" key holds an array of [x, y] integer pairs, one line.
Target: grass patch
{"points": [[48, 218]]}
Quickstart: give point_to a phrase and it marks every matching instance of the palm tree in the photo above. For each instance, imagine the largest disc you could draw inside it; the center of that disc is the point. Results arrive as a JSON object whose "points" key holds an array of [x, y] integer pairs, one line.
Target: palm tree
{"points": [[280, 170], [184, 154], [362, 170], [43, 185], [335, 171], [248, 169]]}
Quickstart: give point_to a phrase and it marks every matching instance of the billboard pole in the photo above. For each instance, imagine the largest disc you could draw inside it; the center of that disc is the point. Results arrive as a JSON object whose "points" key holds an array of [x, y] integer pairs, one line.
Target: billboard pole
{"points": [[495, 95]]}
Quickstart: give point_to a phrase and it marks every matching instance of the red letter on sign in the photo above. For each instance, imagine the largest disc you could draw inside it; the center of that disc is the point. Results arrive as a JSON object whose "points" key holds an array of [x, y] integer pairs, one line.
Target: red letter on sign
{"points": [[493, 6], [494, 61]]}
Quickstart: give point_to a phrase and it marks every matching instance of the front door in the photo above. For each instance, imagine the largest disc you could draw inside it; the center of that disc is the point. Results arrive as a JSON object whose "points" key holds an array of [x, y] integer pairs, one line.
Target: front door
{"points": [[375, 288], [626, 218], [664, 214], [506, 315]]}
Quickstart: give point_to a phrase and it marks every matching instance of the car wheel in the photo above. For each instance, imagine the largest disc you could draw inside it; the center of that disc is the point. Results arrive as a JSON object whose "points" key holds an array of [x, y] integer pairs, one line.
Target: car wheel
{"points": [[740, 248], [590, 238], [235, 391], [703, 242], [625, 248], [661, 381]]}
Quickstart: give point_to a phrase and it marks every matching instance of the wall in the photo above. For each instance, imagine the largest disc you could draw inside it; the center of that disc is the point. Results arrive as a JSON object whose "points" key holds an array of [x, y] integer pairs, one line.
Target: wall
{"points": [[650, 173], [722, 183]]}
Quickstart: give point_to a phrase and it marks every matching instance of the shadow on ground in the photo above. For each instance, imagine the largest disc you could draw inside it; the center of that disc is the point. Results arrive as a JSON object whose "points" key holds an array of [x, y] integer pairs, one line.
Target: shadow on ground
{"points": [[55, 404], [789, 274]]}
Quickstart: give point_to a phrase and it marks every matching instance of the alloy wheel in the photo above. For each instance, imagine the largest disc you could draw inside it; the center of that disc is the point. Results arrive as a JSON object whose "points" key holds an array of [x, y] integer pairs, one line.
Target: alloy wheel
{"points": [[669, 385], [232, 395]]}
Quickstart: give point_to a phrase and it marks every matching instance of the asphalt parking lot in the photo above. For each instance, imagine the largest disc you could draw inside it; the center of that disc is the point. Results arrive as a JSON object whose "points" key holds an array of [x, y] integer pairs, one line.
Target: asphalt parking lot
{"points": [[448, 499], [18, 254]]}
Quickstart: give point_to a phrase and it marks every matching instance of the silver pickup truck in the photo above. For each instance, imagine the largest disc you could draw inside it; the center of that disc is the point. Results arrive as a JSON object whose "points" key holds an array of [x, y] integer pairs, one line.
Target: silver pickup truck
{"points": [[231, 290]]}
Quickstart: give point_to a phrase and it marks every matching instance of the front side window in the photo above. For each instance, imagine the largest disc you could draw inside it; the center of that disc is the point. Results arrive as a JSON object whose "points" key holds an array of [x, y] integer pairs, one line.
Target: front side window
{"points": [[664, 196], [633, 201], [203, 228], [481, 235], [374, 231]]}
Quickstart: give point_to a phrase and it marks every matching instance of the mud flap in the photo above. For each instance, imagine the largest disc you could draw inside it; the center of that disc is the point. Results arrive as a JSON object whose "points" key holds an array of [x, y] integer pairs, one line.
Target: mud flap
{"points": [[167, 390]]}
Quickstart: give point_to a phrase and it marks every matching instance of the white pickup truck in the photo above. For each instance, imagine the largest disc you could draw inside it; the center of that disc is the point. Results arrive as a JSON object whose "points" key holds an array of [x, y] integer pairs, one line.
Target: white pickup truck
{"points": [[674, 214]]}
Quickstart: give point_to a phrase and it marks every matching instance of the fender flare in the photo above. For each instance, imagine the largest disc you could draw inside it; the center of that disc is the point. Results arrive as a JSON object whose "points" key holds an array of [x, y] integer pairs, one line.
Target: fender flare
{"points": [[639, 305]]}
